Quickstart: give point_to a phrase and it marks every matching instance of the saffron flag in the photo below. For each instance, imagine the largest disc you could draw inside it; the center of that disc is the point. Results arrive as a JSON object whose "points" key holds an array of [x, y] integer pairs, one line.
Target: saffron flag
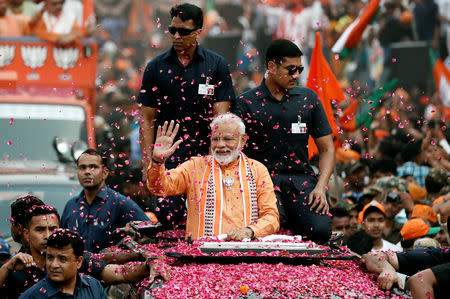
{"points": [[322, 81], [441, 76], [352, 35], [348, 119]]}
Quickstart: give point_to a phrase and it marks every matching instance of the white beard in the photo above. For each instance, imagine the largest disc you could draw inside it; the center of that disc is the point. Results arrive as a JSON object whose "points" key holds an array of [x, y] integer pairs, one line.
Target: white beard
{"points": [[231, 157]]}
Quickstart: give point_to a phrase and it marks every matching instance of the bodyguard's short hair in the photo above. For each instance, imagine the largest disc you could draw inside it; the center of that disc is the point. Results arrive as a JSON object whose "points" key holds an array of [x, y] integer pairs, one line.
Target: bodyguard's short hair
{"points": [[37, 211], [385, 166], [60, 238], [339, 212], [411, 150], [360, 242], [279, 49], [188, 12], [228, 117], [21, 206], [93, 152]]}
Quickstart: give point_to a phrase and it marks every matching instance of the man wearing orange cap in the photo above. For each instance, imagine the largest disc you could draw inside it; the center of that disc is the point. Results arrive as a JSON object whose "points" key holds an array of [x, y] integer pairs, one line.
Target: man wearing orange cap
{"points": [[372, 220], [414, 229], [425, 212]]}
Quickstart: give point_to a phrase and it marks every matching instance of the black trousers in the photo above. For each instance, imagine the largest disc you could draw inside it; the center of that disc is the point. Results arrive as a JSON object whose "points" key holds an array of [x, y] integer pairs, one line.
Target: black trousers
{"points": [[292, 193], [170, 210]]}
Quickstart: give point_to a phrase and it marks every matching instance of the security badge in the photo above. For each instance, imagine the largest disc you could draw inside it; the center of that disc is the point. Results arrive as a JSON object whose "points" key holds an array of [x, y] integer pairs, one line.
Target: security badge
{"points": [[299, 127], [206, 89]]}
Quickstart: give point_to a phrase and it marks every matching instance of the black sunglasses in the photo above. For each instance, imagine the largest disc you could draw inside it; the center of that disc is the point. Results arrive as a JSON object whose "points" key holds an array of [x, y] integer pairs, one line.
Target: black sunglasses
{"points": [[292, 69], [181, 31]]}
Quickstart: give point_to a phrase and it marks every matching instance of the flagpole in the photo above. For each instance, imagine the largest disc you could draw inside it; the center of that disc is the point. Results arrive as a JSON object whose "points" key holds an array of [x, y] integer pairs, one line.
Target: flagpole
{"points": [[336, 185]]}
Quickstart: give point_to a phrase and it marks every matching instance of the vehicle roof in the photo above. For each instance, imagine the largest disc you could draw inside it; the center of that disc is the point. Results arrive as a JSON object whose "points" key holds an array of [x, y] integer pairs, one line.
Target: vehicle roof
{"points": [[38, 179], [41, 95]]}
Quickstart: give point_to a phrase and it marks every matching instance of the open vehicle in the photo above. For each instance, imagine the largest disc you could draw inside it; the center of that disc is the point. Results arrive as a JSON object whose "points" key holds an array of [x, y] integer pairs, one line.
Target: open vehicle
{"points": [[277, 266]]}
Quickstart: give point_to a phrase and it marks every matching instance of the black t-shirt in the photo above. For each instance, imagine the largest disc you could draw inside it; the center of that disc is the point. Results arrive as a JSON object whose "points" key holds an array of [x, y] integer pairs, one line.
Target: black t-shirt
{"points": [[269, 127], [173, 90], [20, 281]]}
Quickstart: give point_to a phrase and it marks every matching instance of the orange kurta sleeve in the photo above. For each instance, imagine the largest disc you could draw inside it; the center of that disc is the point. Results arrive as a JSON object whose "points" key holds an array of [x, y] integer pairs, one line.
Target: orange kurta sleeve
{"points": [[269, 219], [164, 182]]}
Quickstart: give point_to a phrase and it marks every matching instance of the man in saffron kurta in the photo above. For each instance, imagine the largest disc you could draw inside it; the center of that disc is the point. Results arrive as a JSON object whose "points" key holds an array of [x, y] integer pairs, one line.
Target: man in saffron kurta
{"points": [[57, 25], [12, 26], [226, 192]]}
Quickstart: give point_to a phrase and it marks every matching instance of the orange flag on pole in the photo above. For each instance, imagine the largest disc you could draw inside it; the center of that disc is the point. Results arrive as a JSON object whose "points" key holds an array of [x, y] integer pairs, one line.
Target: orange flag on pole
{"points": [[348, 118], [323, 82]]}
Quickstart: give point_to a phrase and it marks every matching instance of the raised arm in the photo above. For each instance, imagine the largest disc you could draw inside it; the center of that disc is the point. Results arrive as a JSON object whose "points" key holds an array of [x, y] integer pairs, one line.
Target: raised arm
{"points": [[160, 181], [17, 263]]}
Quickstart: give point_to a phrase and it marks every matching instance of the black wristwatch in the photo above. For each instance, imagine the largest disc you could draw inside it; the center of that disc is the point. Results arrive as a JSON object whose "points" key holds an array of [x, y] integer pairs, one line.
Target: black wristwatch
{"points": [[157, 162], [253, 233]]}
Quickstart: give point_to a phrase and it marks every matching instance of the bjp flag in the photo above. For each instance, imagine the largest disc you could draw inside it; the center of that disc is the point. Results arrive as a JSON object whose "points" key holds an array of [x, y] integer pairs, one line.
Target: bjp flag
{"points": [[323, 82]]}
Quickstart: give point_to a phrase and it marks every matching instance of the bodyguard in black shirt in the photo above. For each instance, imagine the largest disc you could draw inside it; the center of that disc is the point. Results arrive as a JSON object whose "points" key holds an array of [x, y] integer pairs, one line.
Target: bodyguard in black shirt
{"points": [[189, 84], [280, 117]]}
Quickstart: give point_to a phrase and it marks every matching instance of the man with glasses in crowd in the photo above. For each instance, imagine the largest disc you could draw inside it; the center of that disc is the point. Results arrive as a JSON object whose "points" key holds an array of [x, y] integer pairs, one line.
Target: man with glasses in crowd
{"points": [[188, 83], [280, 117]]}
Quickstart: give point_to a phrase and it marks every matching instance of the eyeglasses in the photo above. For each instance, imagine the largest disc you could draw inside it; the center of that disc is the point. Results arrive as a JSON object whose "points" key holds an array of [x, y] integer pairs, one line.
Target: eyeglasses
{"points": [[56, 3], [292, 69], [226, 139], [181, 31]]}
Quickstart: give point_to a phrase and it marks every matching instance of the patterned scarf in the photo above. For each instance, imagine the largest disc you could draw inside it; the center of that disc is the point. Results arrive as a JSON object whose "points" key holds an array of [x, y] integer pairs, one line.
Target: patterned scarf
{"points": [[211, 204]]}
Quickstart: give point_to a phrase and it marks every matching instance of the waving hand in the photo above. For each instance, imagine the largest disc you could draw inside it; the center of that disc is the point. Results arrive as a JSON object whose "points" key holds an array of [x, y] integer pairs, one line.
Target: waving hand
{"points": [[164, 146]]}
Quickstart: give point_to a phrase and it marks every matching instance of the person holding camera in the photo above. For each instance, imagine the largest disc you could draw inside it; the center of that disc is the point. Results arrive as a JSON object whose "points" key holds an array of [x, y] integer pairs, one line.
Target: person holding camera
{"points": [[392, 193]]}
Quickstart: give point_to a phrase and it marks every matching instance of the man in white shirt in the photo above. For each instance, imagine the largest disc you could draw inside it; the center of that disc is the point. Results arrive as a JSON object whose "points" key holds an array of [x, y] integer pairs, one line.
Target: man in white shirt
{"points": [[372, 220]]}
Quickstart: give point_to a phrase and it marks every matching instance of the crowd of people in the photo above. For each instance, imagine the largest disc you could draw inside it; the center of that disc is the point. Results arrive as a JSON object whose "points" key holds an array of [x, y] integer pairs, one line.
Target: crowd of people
{"points": [[384, 183]]}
